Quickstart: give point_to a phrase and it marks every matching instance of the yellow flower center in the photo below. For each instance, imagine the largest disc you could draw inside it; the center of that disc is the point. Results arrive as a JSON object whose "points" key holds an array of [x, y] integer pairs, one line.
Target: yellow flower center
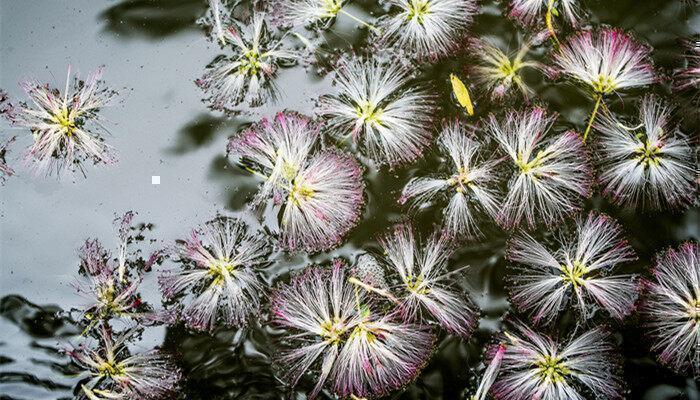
{"points": [[648, 154], [605, 84], [110, 369], [369, 113], [219, 269], [66, 121], [527, 167], [694, 310], [417, 10], [415, 284], [363, 333], [461, 181], [250, 63], [551, 369], [299, 193], [331, 8], [332, 331], [574, 274]]}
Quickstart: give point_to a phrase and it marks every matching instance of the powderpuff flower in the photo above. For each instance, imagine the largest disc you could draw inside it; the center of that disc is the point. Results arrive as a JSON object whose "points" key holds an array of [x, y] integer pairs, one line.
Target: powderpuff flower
{"points": [[671, 307], [535, 366], [248, 75], [381, 355], [529, 12], [388, 120], [218, 282], [310, 12], [499, 72], [650, 164], [420, 282], [66, 127], [689, 77], [5, 170], [427, 28], [322, 193], [606, 63], [551, 173], [318, 308], [470, 184], [577, 272], [112, 372]]}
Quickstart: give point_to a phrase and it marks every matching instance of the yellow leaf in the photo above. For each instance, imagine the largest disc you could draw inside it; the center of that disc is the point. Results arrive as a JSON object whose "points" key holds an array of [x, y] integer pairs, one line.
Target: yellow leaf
{"points": [[462, 94]]}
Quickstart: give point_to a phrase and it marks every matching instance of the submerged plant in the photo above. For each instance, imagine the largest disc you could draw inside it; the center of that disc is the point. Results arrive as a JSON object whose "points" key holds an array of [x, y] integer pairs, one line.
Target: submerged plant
{"points": [[578, 272], [469, 186], [420, 283], [66, 127], [426, 28], [111, 284], [218, 283], [671, 308], [246, 76], [649, 164], [500, 73], [387, 119], [332, 330], [535, 366], [111, 371], [551, 174], [605, 62], [5, 170], [322, 193]]}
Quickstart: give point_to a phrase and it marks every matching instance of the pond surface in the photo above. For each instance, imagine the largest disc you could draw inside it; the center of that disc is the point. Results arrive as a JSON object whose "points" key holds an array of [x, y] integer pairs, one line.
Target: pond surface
{"points": [[155, 51]]}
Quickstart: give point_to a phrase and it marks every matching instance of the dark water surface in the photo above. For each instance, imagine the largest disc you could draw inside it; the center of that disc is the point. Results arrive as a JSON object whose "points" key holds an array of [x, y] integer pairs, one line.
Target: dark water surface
{"points": [[154, 51]]}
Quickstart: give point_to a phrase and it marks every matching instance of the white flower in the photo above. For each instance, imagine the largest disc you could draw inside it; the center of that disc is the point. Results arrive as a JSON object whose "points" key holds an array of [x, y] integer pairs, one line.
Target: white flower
{"points": [[388, 120], [218, 283], [499, 72], [578, 272], [530, 11], [309, 12], [469, 185], [671, 307], [427, 28], [551, 174], [248, 75], [647, 165], [536, 367]]}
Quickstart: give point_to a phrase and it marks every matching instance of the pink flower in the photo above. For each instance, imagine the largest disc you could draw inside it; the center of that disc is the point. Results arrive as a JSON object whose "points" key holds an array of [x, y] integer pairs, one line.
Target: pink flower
{"points": [[689, 77]]}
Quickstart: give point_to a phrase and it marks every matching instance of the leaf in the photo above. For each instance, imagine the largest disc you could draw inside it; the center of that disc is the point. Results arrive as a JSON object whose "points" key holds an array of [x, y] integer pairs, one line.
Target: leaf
{"points": [[462, 94]]}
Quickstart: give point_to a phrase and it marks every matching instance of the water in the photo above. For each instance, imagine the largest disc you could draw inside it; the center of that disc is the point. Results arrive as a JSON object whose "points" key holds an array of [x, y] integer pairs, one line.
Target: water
{"points": [[154, 51]]}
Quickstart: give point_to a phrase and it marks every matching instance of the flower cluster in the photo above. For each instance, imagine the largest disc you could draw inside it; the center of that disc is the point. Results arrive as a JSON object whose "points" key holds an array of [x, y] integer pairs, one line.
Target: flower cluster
{"points": [[649, 164], [246, 76], [112, 372], [577, 272], [671, 307], [66, 126], [374, 105], [322, 192], [469, 186], [218, 282], [426, 28], [330, 323], [550, 174]]}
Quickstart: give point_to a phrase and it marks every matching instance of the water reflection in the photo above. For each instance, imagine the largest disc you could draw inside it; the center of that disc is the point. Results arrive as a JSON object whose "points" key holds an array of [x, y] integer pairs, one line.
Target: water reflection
{"points": [[152, 19]]}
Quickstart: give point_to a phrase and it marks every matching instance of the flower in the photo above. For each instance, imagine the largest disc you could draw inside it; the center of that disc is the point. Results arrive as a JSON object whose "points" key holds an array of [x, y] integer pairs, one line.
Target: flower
{"points": [[420, 280], [490, 373], [248, 75], [470, 185], [551, 174], [499, 72], [218, 283], [381, 354], [115, 373], [216, 20], [318, 308], [322, 193], [66, 127], [650, 164], [671, 307], [389, 121], [310, 12], [536, 367], [689, 77], [111, 285], [577, 272], [528, 11], [5, 170], [606, 62], [427, 28]]}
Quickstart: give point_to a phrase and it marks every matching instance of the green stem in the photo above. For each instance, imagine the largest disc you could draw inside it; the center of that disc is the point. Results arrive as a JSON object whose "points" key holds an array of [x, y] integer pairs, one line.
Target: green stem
{"points": [[370, 26], [550, 25], [593, 115]]}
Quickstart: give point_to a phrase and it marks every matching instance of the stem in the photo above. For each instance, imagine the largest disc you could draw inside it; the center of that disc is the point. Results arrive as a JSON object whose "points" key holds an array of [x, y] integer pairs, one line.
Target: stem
{"points": [[370, 26], [593, 115], [369, 288], [550, 25]]}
